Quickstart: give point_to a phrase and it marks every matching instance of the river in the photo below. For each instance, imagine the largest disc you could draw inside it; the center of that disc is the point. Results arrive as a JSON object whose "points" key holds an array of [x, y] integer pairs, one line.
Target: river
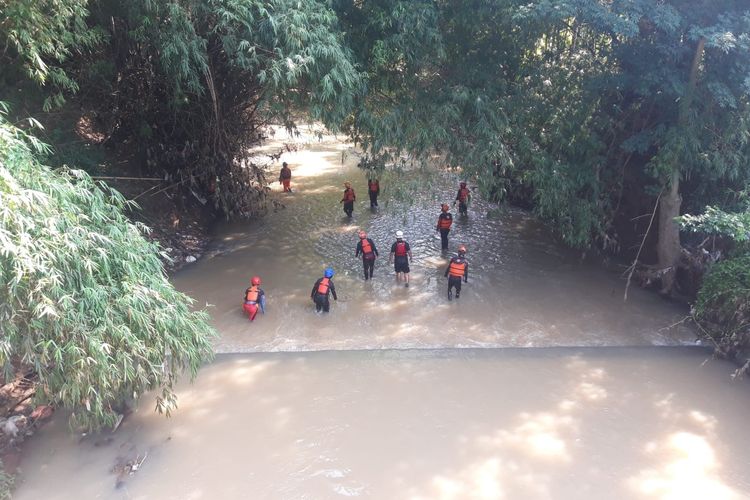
{"points": [[524, 289], [539, 383]]}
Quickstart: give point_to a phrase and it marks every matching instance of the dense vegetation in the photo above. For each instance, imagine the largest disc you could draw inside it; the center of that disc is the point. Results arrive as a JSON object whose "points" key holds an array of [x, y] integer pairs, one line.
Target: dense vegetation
{"points": [[584, 108], [84, 298], [610, 119], [187, 85]]}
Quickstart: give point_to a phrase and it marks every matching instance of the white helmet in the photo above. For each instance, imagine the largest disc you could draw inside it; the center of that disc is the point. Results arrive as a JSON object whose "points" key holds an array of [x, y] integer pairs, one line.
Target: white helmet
{"points": [[399, 234]]}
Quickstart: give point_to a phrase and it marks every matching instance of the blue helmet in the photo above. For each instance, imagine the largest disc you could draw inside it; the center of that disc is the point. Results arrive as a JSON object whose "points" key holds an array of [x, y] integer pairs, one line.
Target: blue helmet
{"points": [[328, 273]]}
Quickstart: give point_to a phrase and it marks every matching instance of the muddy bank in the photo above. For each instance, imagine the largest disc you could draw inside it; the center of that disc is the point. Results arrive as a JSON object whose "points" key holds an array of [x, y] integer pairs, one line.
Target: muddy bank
{"points": [[20, 418]]}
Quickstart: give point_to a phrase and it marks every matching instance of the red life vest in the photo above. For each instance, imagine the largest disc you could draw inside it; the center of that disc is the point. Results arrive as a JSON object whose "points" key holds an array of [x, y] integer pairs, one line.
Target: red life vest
{"points": [[251, 295], [323, 286], [400, 248], [349, 194], [366, 248], [457, 268], [463, 194], [445, 222], [373, 186]]}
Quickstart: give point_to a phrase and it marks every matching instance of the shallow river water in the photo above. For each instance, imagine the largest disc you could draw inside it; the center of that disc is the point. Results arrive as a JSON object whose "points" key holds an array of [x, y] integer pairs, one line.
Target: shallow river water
{"points": [[524, 289], [399, 402]]}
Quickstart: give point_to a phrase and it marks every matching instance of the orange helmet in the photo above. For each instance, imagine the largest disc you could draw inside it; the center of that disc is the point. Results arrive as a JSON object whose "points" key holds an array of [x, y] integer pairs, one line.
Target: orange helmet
{"points": [[461, 249], [362, 235], [255, 280], [444, 207]]}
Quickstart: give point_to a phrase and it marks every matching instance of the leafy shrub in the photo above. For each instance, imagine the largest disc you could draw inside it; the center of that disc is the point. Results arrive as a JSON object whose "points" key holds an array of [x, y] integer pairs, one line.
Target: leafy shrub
{"points": [[84, 298], [723, 305]]}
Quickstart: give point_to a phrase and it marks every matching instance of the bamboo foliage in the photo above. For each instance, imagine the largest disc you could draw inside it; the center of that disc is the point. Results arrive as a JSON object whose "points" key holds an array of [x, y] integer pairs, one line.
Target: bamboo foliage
{"points": [[83, 295], [196, 81], [38, 35]]}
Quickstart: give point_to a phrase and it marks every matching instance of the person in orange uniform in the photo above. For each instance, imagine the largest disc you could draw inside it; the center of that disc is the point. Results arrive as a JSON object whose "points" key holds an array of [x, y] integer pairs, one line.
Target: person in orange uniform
{"points": [[348, 199], [463, 197], [457, 269], [322, 289], [285, 177], [254, 297], [373, 189], [445, 220], [366, 247]]}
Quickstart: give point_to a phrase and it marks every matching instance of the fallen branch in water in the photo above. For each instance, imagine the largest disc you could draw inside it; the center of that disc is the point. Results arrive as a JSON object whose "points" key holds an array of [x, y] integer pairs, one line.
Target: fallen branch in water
{"points": [[664, 328]]}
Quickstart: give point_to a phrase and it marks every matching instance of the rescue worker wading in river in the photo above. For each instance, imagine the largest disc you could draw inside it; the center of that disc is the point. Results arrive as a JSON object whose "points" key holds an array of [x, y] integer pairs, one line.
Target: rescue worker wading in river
{"points": [[401, 256], [254, 297], [445, 220], [348, 199], [457, 269], [373, 188], [366, 247], [463, 197], [321, 289], [285, 177]]}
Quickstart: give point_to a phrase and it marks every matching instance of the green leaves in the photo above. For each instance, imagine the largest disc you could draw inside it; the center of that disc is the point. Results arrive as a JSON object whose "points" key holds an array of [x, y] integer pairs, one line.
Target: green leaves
{"points": [[42, 34], [570, 99], [195, 80], [723, 306], [83, 295], [717, 222]]}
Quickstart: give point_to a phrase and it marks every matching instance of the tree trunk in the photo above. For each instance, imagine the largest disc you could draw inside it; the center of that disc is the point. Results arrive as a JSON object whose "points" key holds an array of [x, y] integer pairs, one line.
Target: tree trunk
{"points": [[668, 248]]}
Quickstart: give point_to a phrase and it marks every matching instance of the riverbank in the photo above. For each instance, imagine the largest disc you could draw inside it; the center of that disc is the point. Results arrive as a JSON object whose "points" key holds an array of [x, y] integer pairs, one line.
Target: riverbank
{"points": [[180, 225]]}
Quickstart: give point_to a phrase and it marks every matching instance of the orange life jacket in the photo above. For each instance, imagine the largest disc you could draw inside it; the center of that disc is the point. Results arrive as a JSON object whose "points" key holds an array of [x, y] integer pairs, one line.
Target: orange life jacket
{"points": [[323, 286], [457, 268], [400, 248], [252, 294], [373, 186], [463, 194], [445, 222], [366, 247], [349, 194]]}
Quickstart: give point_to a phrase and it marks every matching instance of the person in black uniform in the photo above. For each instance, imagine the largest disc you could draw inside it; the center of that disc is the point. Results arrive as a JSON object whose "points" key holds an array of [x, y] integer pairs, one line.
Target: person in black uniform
{"points": [[322, 289], [366, 247], [445, 220], [456, 270], [401, 256], [348, 199], [373, 188], [463, 197]]}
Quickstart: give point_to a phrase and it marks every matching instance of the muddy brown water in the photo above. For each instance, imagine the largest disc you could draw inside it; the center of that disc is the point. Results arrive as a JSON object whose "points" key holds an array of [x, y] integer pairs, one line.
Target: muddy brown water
{"points": [[524, 288], [399, 401], [548, 423]]}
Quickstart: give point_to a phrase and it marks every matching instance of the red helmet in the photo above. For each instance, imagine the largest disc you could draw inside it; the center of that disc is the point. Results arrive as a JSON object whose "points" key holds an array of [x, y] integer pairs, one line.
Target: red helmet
{"points": [[362, 235], [255, 280], [462, 184], [444, 207], [461, 249]]}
